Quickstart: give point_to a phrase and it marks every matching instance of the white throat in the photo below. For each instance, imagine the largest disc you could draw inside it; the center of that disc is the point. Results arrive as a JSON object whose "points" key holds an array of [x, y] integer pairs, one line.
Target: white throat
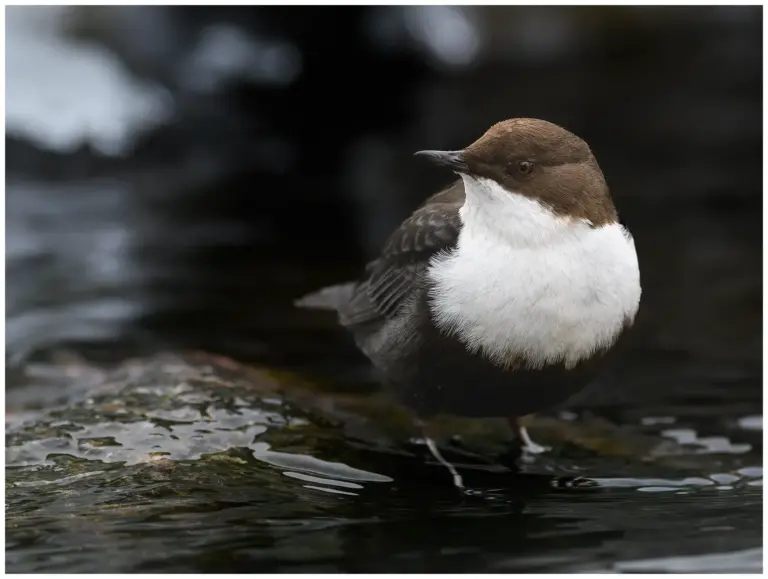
{"points": [[524, 282]]}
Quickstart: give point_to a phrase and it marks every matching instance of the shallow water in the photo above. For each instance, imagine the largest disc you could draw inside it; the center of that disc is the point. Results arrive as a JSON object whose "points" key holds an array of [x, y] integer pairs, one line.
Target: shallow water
{"points": [[196, 463]]}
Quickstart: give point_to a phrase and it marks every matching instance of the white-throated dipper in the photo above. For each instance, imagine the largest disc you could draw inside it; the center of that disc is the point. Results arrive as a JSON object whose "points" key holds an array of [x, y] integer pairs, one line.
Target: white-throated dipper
{"points": [[500, 295]]}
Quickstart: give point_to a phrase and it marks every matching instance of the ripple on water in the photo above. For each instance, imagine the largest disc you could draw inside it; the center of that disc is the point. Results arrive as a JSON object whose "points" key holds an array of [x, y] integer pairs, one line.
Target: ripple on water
{"points": [[719, 481], [750, 422], [176, 434], [57, 481], [314, 470], [706, 444], [724, 478], [654, 420], [745, 561], [751, 471], [258, 469]]}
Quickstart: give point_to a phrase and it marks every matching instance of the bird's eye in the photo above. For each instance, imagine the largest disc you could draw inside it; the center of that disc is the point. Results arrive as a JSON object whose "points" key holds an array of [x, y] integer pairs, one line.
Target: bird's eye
{"points": [[524, 167]]}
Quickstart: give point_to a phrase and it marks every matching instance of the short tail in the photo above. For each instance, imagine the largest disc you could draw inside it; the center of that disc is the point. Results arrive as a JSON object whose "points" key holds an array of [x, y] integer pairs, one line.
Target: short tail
{"points": [[328, 298]]}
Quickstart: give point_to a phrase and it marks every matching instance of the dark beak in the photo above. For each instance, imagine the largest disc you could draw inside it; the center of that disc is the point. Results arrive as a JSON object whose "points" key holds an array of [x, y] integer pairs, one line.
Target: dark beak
{"points": [[450, 159]]}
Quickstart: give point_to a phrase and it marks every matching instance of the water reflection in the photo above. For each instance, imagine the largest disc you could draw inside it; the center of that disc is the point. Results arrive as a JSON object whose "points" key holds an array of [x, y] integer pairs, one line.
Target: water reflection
{"points": [[179, 464]]}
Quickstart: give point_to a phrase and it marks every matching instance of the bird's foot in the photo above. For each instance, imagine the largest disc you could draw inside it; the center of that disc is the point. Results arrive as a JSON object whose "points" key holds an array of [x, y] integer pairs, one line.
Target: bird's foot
{"points": [[458, 481], [527, 445], [530, 446]]}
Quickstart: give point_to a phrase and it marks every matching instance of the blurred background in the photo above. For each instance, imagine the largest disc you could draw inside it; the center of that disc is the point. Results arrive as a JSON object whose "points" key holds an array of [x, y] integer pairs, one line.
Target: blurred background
{"points": [[177, 176]]}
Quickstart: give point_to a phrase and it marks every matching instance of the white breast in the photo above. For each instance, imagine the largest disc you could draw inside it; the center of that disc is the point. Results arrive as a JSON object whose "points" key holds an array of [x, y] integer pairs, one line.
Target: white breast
{"points": [[525, 282]]}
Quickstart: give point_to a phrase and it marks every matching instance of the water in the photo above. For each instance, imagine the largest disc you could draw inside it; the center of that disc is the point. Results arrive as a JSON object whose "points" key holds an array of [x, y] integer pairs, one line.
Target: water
{"points": [[127, 452], [197, 464]]}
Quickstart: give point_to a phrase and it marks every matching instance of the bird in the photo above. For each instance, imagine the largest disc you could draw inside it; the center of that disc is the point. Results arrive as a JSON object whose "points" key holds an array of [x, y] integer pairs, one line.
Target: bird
{"points": [[503, 294]]}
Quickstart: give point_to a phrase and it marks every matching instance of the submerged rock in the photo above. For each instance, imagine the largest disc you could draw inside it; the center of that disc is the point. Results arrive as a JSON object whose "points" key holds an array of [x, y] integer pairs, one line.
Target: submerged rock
{"points": [[155, 463], [202, 407]]}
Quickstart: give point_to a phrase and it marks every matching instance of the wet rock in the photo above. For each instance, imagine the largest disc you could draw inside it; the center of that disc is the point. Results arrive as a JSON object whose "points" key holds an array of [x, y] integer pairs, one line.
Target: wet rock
{"points": [[195, 406], [127, 462]]}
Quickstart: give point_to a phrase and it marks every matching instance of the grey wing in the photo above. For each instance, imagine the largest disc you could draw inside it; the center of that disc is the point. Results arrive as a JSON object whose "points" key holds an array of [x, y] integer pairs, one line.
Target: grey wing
{"points": [[397, 274]]}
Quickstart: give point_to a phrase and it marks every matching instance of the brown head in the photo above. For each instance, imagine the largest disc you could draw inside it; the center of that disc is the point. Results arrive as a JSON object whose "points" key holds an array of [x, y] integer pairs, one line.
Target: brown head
{"points": [[539, 160]]}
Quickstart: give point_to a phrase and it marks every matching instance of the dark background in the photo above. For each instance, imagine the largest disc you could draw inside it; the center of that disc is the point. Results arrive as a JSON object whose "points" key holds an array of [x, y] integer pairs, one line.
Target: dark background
{"points": [[274, 154]]}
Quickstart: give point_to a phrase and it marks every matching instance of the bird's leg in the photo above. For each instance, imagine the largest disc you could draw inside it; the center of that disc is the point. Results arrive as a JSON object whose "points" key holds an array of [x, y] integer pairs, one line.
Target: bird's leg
{"points": [[528, 445], [458, 482]]}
